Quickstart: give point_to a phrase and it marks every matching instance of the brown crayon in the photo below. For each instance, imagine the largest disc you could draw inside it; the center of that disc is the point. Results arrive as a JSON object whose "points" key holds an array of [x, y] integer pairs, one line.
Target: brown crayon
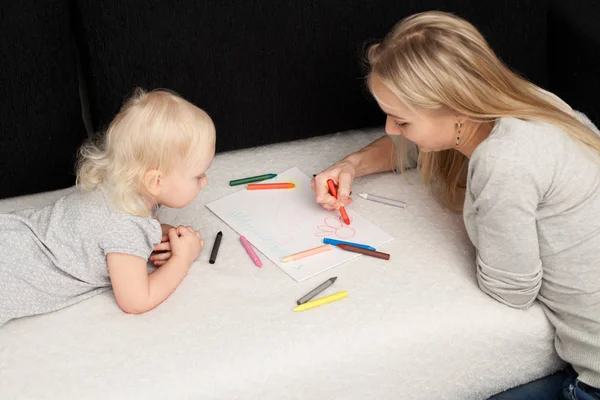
{"points": [[366, 252]]}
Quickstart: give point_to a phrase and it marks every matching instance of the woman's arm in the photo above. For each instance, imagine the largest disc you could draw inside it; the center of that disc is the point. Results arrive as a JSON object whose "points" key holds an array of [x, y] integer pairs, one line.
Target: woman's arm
{"points": [[379, 156], [504, 197]]}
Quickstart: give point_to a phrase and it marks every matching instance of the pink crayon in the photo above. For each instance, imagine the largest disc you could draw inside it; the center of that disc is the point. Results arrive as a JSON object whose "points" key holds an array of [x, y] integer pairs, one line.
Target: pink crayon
{"points": [[250, 251]]}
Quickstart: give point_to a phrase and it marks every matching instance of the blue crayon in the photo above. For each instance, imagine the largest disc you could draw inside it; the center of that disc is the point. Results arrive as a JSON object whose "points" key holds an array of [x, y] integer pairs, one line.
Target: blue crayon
{"points": [[336, 242]]}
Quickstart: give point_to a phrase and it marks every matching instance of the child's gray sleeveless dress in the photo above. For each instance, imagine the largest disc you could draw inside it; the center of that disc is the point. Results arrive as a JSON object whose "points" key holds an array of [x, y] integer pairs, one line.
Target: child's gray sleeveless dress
{"points": [[53, 257]]}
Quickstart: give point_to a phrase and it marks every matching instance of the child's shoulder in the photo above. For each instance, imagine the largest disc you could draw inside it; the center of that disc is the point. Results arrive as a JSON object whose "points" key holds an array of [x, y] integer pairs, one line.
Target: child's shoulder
{"points": [[91, 203], [97, 204], [93, 213]]}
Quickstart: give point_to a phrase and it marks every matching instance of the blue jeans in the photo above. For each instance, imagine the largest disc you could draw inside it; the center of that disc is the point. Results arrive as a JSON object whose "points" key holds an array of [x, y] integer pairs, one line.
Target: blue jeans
{"points": [[562, 385]]}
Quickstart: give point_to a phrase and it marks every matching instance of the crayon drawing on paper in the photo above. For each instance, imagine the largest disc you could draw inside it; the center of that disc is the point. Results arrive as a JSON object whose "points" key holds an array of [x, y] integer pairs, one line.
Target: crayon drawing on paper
{"points": [[283, 222]]}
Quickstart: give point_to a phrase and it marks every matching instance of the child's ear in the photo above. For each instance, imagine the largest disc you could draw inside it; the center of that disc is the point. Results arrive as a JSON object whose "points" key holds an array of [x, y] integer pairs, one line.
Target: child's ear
{"points": [[152, 182]]}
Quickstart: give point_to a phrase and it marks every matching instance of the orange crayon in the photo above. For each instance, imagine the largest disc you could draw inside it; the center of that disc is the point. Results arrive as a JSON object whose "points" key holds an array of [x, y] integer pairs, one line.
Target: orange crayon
{"points": [[333, 191], [307, 253], [263, 186]]}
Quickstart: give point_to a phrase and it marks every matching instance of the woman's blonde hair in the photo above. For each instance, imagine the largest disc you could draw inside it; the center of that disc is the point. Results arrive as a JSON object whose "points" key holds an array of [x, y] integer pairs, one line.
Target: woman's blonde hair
{"points": [[435, 60], [153, 130]]}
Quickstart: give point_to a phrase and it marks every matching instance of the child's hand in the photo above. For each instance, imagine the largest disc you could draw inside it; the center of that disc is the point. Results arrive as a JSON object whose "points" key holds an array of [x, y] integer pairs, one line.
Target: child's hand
{"points": [[162, 251], [186, 243]]}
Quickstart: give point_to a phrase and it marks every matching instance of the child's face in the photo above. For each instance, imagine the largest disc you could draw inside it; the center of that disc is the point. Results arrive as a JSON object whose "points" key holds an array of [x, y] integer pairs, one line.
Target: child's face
{"points": [[184, 183]]}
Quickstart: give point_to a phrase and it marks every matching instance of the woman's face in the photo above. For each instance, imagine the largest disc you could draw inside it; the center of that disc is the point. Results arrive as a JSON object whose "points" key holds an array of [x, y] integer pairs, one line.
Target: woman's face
{"points": [[431, 131]]}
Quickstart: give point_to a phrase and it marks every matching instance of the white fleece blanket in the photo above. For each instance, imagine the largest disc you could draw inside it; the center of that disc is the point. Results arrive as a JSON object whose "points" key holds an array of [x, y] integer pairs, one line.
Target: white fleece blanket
{"points": [[414, 327]]}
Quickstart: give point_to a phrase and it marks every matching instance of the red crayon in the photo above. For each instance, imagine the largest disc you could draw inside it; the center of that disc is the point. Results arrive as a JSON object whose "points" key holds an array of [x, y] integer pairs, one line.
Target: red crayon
{"points": [[333, 192]]}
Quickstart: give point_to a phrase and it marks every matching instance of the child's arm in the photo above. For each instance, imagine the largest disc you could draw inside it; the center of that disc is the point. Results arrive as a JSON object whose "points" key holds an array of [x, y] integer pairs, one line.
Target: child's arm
{"points": [[137, 292]]}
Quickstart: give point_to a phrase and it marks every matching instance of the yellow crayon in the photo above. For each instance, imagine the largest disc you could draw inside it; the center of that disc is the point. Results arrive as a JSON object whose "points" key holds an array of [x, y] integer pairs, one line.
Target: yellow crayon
{"points": [[323, 300]]}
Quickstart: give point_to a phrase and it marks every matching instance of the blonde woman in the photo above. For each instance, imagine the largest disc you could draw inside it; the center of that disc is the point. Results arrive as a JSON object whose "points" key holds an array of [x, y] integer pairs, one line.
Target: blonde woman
{"points": [[155, 152], [523, 167]]}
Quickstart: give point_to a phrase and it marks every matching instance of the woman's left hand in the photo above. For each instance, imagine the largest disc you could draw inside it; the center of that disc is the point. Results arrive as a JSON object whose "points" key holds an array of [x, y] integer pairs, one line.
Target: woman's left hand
{"points": [[162, 251]]}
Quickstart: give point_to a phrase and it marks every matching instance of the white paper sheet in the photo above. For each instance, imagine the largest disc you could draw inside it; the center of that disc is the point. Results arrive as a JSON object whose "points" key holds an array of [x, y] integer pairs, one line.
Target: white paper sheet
{"points": [[285, 221]]}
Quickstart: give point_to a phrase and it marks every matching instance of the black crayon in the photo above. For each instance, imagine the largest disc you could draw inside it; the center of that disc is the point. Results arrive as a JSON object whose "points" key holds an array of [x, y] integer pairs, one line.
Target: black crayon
{"points": [[215, 249]]}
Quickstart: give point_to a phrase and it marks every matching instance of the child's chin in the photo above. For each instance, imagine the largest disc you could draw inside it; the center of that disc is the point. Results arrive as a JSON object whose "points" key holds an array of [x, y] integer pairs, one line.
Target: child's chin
{"points": [[174, 205]]}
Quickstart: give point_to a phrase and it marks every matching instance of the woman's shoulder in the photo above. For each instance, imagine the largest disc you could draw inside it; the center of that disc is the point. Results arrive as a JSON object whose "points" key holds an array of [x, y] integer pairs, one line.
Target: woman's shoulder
{"points": [[522, 142], [525, 132], [517, 151]]}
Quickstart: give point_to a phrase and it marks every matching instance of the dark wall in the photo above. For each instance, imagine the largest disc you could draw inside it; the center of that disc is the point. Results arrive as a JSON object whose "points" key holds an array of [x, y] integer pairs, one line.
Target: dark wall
{"points": [[574, 54], [40, 119], [265, 71], [271, 71]]}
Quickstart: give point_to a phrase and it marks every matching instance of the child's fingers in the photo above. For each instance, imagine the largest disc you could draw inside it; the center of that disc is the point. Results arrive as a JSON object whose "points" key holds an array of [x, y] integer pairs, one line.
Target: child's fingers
{"points": [[164, 246], [173, 234], [161, 256], [164, 238], [184, 230], [159, 263]]}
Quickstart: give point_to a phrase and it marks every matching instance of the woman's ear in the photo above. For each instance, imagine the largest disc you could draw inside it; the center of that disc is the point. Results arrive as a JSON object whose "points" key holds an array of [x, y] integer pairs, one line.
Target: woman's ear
{"points": [[152, 182], [461, 118]]}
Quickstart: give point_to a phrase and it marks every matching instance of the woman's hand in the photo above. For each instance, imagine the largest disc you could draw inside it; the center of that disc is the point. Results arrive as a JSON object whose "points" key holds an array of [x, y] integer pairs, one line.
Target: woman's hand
{"points": [[162, 251], [186, 243], [379, 156], [342, 174]]}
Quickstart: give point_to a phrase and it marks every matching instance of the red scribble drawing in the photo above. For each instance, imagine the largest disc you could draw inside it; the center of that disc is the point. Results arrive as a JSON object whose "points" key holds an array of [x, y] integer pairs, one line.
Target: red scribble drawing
{"points": [[335, 226]]}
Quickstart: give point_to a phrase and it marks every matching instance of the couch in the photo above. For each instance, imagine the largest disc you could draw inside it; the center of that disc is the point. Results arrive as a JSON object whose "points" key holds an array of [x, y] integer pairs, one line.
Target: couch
{"points": [[283, 83]]}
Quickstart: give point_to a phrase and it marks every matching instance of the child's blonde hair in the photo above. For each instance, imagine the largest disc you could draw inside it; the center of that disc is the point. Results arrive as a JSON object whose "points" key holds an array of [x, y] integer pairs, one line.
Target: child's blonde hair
{"points": [[153, 130], [435, 60]]}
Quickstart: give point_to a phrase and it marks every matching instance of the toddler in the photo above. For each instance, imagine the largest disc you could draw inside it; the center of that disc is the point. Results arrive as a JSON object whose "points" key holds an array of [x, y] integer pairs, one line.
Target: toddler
{"points": [[155, 152]]}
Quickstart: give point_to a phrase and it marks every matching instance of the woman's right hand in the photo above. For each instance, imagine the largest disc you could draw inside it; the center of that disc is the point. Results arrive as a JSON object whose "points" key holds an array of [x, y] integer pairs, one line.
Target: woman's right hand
{"points": [[186, 243], [342, 173]]}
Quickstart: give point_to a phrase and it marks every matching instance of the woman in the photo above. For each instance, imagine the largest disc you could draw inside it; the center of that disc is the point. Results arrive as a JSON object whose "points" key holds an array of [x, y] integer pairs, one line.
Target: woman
{"points": [[523, 167]]}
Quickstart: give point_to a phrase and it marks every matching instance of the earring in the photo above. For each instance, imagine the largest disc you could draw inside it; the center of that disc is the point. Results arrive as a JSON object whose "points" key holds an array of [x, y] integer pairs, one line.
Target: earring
{"points": [[459, 126]]}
